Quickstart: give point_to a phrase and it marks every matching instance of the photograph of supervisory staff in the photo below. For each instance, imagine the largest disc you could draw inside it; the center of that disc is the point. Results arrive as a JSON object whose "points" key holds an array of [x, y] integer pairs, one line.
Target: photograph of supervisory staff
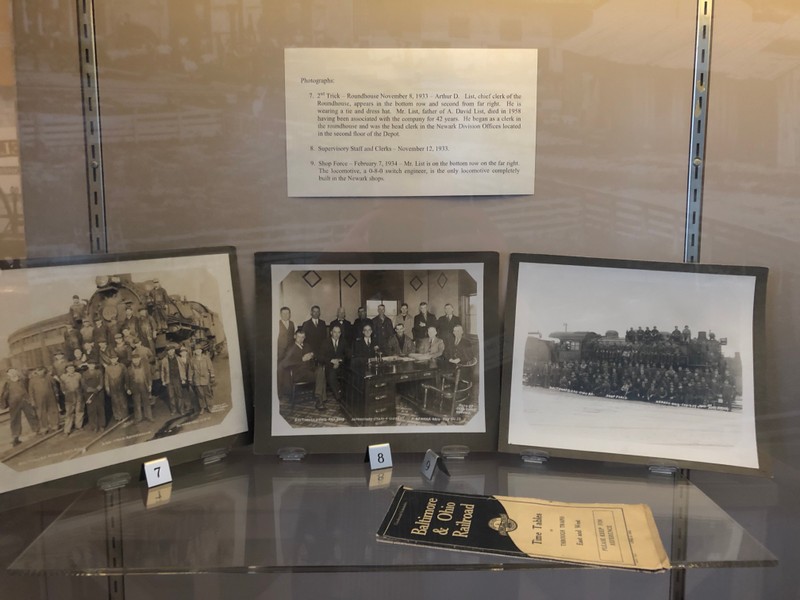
{"points": [[408, 358]]}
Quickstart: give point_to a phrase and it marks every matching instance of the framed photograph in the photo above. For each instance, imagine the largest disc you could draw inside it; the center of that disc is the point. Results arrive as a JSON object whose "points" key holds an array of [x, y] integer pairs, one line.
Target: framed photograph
{"points": [[356, 349], [643, 362], [107, 359]]}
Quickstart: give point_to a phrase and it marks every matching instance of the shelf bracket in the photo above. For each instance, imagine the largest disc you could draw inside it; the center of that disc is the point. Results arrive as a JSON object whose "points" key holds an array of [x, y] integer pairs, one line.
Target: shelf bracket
{"points": [[697, 137], [90, 94]]}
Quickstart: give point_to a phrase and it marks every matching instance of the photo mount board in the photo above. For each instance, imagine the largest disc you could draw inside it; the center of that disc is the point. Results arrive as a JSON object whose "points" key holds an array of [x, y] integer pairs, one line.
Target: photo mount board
{"points": [[205, 280], [273, 431], [602, 298]]}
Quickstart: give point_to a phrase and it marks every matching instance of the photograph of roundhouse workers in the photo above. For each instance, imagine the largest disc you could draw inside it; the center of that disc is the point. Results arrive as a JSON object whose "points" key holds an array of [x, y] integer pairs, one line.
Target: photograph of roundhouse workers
{"points": [[377, 346]]}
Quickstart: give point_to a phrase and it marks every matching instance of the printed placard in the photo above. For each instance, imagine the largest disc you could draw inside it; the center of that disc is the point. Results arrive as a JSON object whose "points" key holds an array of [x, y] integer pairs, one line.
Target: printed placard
{"points": [[448, 121]]}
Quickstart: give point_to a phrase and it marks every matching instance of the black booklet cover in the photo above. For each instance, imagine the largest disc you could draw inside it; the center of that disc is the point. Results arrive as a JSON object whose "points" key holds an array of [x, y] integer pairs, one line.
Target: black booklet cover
{"points": [[614, 535], [441, 519]]}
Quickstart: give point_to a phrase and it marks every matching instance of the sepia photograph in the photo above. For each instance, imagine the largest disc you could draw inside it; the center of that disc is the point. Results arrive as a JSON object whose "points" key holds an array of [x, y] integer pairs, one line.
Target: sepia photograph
{"points": [[106, 362], [375, 348], [626, 358]]}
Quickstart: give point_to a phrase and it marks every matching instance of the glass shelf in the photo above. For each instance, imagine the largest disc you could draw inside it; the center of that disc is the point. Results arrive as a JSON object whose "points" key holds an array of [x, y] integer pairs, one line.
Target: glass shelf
{"points": [[255, 514]]}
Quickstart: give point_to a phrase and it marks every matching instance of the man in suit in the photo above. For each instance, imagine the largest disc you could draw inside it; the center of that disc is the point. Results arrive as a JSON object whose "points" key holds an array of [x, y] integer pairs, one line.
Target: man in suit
{"points": [[316, 331], [432, 346], [332, 357], [286, 331], [458, 350], [400, 344], [358, 324], [383, 328], [364, 346], [422, 321], [446, 323], [341, 321], [298, 365]]}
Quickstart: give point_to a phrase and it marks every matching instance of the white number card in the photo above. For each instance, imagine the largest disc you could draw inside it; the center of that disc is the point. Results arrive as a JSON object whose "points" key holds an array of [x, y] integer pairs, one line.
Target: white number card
{"points": [[379, 456], [156, 472]]}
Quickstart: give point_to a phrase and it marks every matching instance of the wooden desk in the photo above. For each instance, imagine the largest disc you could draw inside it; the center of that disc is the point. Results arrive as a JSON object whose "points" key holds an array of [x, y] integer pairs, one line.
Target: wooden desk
{"points": [[372, 390]]}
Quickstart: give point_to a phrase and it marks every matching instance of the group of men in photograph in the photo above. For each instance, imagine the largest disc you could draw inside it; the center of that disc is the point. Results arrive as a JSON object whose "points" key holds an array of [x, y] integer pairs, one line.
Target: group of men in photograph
{"points": [[316, 351], [650, 366], [109, 370]]}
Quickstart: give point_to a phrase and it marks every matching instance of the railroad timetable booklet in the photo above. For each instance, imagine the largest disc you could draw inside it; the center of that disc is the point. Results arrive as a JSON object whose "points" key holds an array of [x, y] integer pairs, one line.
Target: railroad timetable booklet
{"points": [[610, 535]]}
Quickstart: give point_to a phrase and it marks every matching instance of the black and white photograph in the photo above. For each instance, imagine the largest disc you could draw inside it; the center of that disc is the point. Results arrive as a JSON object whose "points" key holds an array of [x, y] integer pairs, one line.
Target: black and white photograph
{"points": [[374, 348], [110, 361], [648, 360]]}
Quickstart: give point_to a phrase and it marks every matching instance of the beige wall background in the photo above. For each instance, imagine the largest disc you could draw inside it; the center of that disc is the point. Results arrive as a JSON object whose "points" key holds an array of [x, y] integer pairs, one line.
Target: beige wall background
{"points": [[194, 142]]}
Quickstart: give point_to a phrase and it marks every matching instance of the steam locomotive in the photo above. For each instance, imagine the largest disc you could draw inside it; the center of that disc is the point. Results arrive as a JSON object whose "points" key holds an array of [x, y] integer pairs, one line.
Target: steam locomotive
{"points": [[32, 346], [663, 369]]}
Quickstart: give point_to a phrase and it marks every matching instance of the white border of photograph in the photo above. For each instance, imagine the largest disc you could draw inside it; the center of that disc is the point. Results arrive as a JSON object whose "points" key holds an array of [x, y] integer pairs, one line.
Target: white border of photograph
{"points": [[564, 294], [478, 434], [477, 424]]}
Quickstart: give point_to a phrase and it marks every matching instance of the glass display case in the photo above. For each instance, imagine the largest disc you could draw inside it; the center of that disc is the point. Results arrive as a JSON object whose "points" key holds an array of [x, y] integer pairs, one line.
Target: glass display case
{"points": [[162, 126]]}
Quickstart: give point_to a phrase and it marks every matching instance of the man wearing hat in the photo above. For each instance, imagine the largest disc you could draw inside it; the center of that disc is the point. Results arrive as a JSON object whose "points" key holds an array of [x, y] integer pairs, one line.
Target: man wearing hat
{"points": [[59, 368], [73, 399], [140, 385], [173, 377], [115, 382], [87, 332], [202, 378], [145, 353], [160, 299], [131, 321], [44, 400], [100, 331], [94, 396], [128, 336], [146, 329], [77, 311], [122, 350], [91, 352], [72, 339], [190, 401], [104, 354], [15, 397]]}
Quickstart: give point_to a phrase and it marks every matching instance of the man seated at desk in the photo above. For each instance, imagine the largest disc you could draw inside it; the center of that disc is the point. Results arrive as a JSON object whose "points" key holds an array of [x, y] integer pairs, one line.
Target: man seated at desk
{"points": [[431, 347], [332, 357], [365, 346], [400, 344], [458, 350], [298, 366]]}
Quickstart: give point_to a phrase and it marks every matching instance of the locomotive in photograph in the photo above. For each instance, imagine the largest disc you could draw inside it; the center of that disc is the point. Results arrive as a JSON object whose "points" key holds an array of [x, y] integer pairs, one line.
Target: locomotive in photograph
{"points": [[670, 368], [127, 364], [118, 303]]}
